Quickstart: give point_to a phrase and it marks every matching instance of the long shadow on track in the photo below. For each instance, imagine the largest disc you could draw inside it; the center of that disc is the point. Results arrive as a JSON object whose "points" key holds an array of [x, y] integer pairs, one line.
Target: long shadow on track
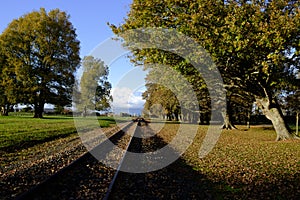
{"points": [[176, 181]]}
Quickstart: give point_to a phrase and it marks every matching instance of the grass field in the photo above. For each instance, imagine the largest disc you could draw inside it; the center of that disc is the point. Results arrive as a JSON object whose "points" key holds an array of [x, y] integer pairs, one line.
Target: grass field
{"points": [[245, 164], [19, 132]]}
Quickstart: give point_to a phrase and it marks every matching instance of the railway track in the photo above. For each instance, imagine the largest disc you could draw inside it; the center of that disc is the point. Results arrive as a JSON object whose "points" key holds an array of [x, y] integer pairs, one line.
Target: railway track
{"points": [[84, 178], [87, 178], [176, 181]]}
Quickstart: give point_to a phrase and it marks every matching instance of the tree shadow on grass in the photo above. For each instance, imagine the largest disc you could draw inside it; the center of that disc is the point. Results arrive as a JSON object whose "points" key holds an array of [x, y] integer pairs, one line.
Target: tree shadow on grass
{"points": [[57, 118], [176, 181], [180, 180], [32, 142]]}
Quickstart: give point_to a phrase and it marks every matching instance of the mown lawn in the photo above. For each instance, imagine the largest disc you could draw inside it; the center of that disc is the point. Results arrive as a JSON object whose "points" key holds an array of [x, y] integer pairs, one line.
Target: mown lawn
{"points": [[246, 164], [19, 132]]}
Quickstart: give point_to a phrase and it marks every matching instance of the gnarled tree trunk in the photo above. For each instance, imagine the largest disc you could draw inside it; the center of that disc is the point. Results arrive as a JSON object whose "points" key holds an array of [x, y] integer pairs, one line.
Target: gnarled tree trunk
{"points": [[273, 112], [227, 122]]}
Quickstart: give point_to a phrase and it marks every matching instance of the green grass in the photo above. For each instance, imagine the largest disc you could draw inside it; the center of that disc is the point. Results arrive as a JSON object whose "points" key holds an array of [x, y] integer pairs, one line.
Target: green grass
{"points": [[19, 132]]}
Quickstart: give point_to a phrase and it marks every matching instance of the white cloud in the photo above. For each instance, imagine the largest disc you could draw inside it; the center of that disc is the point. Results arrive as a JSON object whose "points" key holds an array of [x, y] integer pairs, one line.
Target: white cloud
{"points": [[124, 97]]}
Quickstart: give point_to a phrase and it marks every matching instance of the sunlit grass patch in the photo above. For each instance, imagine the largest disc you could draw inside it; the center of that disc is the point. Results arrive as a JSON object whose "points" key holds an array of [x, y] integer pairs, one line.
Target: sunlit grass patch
{"points": [[245, 163], [18, 132]]}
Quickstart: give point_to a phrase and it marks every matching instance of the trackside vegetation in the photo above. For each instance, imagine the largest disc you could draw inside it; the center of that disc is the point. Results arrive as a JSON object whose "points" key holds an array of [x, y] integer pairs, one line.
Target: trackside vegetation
{"points": [[20, 132]]}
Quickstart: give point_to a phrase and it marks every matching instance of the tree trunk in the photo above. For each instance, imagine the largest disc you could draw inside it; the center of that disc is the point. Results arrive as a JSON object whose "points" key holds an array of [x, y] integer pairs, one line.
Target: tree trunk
{"points": [[176, 116], [38, 110], [297, 123], [84, 113], [274, 113], [227, 122], [204, 117], [4, 110], [169, 117], [248, 119]]}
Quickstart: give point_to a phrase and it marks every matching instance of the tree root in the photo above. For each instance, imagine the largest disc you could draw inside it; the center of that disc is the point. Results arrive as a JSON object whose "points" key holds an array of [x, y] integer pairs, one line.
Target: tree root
{"points": [[229, 127], [296, 137], [293, 137]]}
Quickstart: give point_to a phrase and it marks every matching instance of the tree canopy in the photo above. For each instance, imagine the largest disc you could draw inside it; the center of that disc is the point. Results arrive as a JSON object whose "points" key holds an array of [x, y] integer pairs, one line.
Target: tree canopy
{"points": [[41, 56], [94, 89], [255, 44]]}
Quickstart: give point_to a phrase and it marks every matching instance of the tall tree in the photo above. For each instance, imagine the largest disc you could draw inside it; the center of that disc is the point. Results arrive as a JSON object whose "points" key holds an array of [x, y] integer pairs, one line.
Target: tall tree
{"points": [[94, 87], [256, 50], [42, 54], [255, 44]]}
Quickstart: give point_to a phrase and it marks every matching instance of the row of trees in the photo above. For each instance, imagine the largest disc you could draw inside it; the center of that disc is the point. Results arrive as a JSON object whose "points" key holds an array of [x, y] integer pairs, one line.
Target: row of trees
{"points": [[255, 45], [163, 101], [39, 55]]}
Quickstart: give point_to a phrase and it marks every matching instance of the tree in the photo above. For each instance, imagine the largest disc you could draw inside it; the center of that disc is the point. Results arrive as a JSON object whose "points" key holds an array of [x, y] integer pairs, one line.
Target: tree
{"points": [[170, 91], [42, 55], [156, 95], [255, 44], [239, 106], [257, 51], [94, 87], [293, 104]]}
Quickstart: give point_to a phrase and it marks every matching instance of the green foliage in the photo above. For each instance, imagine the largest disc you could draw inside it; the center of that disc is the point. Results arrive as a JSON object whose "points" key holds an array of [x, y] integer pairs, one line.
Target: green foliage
{"points": [[169, 93], [94, 89], [255, 44], [160, 101], [41, 53], [5, 86]]}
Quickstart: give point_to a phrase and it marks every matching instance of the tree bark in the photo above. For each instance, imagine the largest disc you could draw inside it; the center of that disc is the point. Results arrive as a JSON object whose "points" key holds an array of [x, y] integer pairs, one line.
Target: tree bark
{"points": [[227, 122], [204, 118], [273, 112], [4, 110], [176, 116], [297, 123], [169, 117], [38, 110], [248, 119]]}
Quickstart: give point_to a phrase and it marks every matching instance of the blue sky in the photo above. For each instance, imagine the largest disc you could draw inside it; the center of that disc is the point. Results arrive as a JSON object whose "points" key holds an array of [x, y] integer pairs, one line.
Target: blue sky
{"points": [[89, 17]]}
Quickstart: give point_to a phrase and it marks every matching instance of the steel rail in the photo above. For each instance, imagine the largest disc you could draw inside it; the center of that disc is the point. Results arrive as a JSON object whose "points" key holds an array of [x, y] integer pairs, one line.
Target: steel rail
{"points": [[27, 194], [112, 183]]}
